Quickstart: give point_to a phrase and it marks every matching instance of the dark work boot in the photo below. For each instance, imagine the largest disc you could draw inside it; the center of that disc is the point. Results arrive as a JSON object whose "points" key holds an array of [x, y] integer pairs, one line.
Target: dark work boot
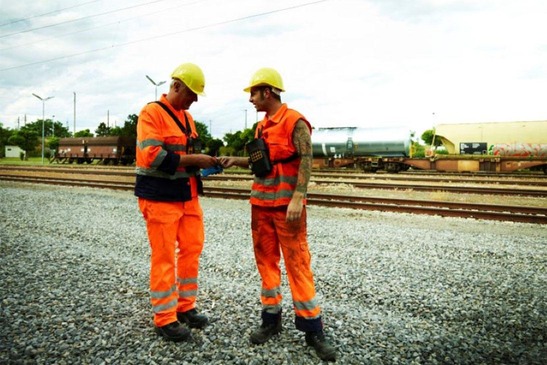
{"points": [[174, 332], [265, 332], [323, 349], [192, 318]]}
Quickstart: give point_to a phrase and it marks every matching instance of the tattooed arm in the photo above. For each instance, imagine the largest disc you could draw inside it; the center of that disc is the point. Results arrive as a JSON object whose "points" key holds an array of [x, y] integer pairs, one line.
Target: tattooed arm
{"points": [[302, 142]]}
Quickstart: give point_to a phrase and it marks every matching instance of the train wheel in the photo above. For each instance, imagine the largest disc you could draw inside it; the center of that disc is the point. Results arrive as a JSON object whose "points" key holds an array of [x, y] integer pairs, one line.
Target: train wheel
{"points": [[392, 168], [366, 167]]}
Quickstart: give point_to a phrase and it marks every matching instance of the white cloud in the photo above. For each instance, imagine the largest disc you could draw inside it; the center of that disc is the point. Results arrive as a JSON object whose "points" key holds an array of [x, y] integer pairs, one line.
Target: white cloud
{"points": [[344, 62]]}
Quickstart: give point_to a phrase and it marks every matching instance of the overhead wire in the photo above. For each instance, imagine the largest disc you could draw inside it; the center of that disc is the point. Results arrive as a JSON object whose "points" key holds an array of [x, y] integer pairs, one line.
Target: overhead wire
{"points": [[48, 13], [212, 25], [117, 22], [82, 18]]}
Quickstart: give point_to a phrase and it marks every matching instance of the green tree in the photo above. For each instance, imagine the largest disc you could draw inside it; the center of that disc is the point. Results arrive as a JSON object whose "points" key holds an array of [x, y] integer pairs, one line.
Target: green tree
{"points": [[25, 139], [51, 128], [59, 130], [5, 134], [83, 133], [418, 150], [53, 143], [102, 130], [427, 137], [115, 131], [203, 132], [214, 146], [129, 128], [35, 127], [235, 142]]}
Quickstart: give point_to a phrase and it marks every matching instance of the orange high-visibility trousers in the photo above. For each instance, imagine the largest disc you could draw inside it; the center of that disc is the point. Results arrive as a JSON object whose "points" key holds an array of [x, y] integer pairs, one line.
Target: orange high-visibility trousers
{"points": [[272, 235], [173, 275]]}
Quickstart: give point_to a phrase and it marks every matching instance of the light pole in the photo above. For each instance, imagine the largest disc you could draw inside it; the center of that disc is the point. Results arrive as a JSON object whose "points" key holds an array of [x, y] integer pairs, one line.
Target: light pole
{"points": [[74, 92], [43, 116], [158, 84]]}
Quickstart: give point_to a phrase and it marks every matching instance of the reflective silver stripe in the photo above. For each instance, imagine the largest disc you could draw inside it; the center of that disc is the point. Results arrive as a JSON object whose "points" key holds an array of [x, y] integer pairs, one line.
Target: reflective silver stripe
{"points": [[273, 309], [148, 143], [175, 147], [279, 194], [292, 180], [163, 307], [309, 305], [163, 294], [159, 159], [187, 281], [156, 173], [187, 293], [155, 142], [312, 317], [272, 195], [270, 293]]}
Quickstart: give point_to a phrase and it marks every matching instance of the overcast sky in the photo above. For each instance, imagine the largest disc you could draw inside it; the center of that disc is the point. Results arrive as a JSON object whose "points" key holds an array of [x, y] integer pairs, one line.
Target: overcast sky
{"points": [[364, 63]]}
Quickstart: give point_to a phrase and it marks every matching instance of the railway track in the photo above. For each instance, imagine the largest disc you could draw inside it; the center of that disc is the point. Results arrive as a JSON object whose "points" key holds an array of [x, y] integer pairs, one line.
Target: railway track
{"points": [[523, 179], [432, 173], [515, 187], [445, 209], [536, 180]]}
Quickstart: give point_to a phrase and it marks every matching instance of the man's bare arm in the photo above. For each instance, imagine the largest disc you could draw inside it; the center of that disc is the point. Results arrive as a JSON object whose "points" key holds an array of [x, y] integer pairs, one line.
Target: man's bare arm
{"points": [[302, 142]]}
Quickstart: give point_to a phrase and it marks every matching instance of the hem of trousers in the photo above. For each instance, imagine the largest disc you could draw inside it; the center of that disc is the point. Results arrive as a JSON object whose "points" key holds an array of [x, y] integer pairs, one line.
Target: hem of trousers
{"points": [[271, 318], [308, 325]]}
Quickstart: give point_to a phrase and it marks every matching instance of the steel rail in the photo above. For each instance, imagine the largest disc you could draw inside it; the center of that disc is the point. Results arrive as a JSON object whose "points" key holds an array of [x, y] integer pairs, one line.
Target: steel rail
{"points": [[485, 190], [540, 180], [445, 209], [454, 189]]}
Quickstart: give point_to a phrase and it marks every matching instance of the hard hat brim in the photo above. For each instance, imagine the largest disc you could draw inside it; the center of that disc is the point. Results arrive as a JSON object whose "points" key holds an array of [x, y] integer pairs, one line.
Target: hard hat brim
{"points": [[248, 88]]}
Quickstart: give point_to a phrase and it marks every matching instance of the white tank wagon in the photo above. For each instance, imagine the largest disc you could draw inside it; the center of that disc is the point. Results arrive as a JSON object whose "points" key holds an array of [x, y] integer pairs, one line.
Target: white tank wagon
{"points": [[332, 142], [385, 142], [356, 142], [368, 148]]}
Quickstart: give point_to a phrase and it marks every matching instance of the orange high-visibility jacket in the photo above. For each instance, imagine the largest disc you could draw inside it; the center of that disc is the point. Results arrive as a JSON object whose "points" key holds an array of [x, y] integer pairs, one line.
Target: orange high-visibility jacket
{"points": [[276, 188], [160, 143]]}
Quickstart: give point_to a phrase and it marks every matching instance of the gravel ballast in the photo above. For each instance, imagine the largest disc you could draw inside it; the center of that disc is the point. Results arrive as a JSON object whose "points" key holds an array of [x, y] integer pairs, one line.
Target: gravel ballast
{"points": [[394, 288]]}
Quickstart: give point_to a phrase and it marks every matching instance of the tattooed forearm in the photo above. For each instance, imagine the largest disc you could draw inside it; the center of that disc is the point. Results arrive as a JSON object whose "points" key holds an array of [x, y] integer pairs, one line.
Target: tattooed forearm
{"points": [[302, 142]]}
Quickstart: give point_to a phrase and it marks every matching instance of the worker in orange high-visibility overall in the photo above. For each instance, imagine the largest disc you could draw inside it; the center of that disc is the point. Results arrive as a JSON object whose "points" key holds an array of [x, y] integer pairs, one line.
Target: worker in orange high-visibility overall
{"points": [[168, 184], [278, 211]]}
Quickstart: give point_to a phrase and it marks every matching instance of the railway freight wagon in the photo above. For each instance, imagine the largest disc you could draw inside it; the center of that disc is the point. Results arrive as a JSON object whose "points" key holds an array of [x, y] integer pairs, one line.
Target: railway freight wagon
{"points": [[70, 150], [514, 138], [369, 149], [495, 147], [471, 147], [104, 150]]}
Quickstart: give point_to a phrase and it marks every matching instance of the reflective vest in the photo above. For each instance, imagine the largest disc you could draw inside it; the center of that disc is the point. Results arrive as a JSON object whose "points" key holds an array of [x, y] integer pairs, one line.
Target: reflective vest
{"points": [[160, 142], [276, 188]]}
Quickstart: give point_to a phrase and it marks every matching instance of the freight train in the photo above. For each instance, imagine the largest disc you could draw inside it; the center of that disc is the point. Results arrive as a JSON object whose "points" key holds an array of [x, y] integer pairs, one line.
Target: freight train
{"points": [[103, 150], [469, 147]]}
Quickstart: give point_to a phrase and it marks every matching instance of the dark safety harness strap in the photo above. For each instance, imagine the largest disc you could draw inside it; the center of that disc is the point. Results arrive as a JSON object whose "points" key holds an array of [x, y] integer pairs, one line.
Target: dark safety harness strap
{"points": [[186, 130]]}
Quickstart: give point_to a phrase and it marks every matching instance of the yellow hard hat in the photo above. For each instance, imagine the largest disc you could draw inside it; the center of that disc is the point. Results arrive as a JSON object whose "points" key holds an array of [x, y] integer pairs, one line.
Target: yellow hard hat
{"points": [[192, 76], [266, 76]]}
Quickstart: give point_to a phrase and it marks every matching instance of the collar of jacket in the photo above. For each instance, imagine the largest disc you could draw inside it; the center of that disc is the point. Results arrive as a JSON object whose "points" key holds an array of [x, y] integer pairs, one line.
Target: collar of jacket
{"points": [[276, 118]]}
